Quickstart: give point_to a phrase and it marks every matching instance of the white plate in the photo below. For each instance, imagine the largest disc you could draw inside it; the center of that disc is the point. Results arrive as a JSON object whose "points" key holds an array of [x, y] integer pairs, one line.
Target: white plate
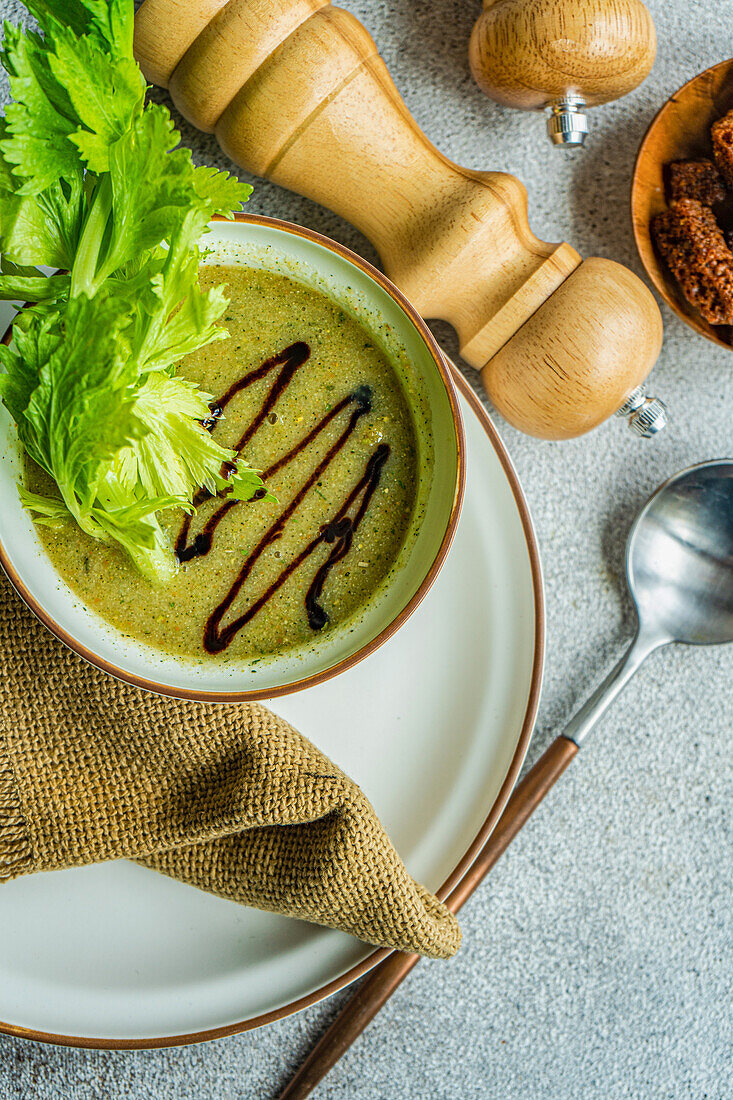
{"points": [[433, 726]]}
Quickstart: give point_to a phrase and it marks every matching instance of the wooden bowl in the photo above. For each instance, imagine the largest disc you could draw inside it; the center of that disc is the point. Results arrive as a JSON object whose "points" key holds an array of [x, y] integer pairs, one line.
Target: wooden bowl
{"points": [[680, 131]]}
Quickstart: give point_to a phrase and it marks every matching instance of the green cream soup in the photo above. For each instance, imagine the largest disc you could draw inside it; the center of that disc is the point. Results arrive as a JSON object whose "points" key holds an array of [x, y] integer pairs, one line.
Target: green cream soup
{"points": [[319, 411]]}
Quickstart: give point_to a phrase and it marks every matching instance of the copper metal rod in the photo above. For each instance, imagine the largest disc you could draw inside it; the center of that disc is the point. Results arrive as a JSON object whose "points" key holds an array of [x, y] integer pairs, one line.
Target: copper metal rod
{"points": [[378, 987]]}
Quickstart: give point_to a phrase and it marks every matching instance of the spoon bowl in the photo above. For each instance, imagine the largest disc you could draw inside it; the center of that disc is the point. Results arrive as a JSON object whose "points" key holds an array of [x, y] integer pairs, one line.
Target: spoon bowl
{"points": [[679, 558]]}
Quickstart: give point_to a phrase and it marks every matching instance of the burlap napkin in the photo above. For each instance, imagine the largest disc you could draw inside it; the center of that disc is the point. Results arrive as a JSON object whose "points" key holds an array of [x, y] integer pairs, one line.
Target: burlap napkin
{"points": [[230, 799]]}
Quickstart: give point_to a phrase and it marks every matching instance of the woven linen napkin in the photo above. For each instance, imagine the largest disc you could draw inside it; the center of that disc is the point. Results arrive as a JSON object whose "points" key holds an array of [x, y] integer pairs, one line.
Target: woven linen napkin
{"points": [[228, 798]]}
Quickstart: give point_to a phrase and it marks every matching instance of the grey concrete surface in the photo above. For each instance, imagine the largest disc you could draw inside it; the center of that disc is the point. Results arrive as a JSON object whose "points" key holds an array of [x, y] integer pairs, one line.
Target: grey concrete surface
{"points": [[598, 959]]}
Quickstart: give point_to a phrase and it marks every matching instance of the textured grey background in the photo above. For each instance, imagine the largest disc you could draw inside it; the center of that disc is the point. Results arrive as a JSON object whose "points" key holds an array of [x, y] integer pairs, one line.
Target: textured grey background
{"points": [[598, 959]]}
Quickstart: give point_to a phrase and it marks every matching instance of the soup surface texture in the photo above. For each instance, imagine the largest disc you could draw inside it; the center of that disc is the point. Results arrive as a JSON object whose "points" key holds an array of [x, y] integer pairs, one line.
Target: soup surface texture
{"points": [[313, 404]]}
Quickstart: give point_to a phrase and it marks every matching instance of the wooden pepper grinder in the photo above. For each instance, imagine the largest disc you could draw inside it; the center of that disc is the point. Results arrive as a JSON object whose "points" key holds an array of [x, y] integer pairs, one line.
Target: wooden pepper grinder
{"points": [[296, 91], [564, 55]]}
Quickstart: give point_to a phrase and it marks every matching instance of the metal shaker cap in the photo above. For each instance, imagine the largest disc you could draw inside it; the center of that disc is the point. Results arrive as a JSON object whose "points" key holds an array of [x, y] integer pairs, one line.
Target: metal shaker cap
{"points": [[647, 415], [568, 122]]}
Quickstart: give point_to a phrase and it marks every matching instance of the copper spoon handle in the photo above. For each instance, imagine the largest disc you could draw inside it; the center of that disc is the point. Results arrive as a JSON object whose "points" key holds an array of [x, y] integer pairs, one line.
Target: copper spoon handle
{"points": [[379, 986]]}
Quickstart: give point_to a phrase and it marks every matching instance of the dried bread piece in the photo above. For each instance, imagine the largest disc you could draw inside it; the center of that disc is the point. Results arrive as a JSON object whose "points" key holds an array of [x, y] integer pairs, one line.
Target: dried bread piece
{"points": [[690, 240], [721, 133], [695, 179]]}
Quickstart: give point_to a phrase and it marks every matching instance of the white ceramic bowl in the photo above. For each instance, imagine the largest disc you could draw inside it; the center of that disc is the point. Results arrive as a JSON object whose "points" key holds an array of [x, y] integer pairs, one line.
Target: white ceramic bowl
{"points": [[393, 324]]}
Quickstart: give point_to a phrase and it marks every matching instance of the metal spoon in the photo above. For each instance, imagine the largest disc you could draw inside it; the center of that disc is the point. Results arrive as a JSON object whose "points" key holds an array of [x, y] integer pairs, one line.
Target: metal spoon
{"points": [[679, 568]]}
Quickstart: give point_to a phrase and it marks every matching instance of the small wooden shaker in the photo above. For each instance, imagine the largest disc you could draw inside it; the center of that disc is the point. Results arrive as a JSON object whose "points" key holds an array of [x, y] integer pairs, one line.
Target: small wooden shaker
{"points": [[562, 55]]}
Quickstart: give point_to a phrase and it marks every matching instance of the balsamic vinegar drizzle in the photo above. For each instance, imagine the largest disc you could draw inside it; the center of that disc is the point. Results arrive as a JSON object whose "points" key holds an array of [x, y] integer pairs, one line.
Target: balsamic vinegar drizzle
{"points": [[338, 532]]}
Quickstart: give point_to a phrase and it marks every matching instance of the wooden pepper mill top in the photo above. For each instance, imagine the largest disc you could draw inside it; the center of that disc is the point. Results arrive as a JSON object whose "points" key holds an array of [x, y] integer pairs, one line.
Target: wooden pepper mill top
{"points": [[563, 54], [296, 91]]}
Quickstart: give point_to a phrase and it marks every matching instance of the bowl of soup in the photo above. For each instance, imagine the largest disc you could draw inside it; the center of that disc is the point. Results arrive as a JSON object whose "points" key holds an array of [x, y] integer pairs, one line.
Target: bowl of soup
{"points": [[332, 387]]}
